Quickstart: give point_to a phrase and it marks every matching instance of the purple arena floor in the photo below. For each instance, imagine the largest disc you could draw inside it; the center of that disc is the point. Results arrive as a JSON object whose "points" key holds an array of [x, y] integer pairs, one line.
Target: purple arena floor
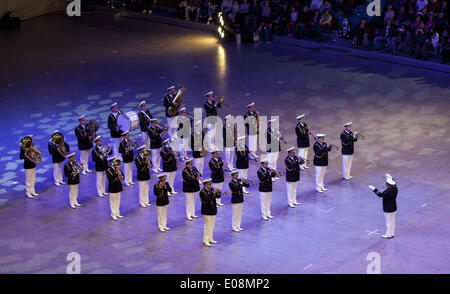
{"points": [[57, 68]]}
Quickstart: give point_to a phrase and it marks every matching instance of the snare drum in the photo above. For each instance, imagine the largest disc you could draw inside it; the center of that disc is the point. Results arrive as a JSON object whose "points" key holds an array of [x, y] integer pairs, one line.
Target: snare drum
{"points": [[128, 121]]}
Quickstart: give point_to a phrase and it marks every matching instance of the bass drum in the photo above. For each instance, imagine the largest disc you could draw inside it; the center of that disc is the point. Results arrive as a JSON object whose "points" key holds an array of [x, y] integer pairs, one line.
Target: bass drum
{"points": [[128, 121]]}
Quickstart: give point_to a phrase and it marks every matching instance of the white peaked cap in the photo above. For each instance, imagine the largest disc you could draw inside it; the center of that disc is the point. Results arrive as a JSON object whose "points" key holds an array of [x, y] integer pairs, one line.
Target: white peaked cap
{"points": [[320, 135], [291, 149], [111, 158], [96, 138], [141, 147], [241, 137], [171, 87], [207, 181], [161, 175], [264, 160], [153, 119], [215, 149], [390, 181], [166, 140], [142, 102], [234, 172], [227, 116], [55, 131], [209, 93], [271, 120], [198, 122], [82, 117], [348, 124], [182, 109], [188, 160], [301, 116], [71, 154], [124, 133], [112, 105], [251, 104]]}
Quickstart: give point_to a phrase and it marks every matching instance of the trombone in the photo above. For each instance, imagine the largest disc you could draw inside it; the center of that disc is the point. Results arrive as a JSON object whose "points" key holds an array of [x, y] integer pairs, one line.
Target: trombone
{"points": [[221, 100]]}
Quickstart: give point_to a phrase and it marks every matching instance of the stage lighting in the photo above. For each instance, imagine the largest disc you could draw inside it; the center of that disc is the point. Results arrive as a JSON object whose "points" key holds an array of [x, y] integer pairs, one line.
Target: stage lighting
{"points": [[225, 27]]}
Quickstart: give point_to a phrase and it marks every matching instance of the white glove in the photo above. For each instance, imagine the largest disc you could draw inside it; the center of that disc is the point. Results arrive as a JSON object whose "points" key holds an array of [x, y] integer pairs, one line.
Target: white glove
{"points": [[388, 176], [371, 187]]}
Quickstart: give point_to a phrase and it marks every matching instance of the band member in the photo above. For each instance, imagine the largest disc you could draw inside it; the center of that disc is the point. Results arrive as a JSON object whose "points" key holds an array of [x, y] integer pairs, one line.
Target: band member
{"points": [[211, 105], [237, 200], [273, 136], [169, 159], [302, 132], [347, 141], [216, 165], [101, 164], [144, 122], [143, 166], [30, 171], [229, 139], [82, 132], [321, 161], [155, 132], [208, 197], [184, 135], [252, 128], [265, 175], [191, 178], [168, 102], [162, 190], [242, 156], [58, 157], [116, 132], [292, 176], [72, 172], [198, 150], [389, 204], [115, 178], [126, 149]]}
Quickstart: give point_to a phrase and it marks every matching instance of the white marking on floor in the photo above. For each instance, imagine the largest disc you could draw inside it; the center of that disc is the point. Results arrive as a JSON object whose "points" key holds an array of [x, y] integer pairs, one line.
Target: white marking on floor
{"points": [[328, 210], [423, 205], [372, 232], [308, 266]]}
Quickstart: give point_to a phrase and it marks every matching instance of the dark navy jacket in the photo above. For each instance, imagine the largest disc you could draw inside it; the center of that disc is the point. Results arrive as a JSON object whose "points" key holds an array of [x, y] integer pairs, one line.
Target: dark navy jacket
{"points": [[389, 198], [112, 125], [237, 193], [293, 169], [114, 183], [302, 133], [56, 156], [83, 137], [209, 204], [143, 172], [265, 180], [144, 120], [27, 164], [167, 103], [321, 154], [169, 160], [216, 168], [195, 153], [100, 164], [190, 182], [347, 140], [155, 137], [162, 198], [71, 180], [126, 156], [242, 158]]}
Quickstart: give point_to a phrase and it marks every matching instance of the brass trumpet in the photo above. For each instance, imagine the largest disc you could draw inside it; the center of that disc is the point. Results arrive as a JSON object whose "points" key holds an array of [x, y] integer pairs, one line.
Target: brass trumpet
{"points": [[337, 147], [362, 137], [274, 170]]}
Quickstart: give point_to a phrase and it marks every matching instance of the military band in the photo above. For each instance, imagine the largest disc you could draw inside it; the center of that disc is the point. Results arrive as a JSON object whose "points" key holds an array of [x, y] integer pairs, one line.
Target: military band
{"points": [[83, 134], [252, 128], [161, 191], [155, 133], [184, 134], [347, 141], [273, 146], [169, 159], [191, 185], [197, 146], [229, 141], [143, 166], [208, 196], [99, 153], [265, 176], [144, 122], [115, 177], [292, 176], [72, 172], [321, 161], [302, 131], [58, 151], [216, 166], [126, 149], [237, 186], [211, 105], [242, 157], [168, 102], [115, 131], [26, 148]]}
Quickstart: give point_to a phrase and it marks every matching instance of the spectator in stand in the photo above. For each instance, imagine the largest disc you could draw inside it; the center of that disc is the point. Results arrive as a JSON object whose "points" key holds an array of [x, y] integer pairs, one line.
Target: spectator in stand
{"points": [[212, 9], [292, 21], [410, 16], [446, 51], [315, 5], [284, 19], [429, 23], [406, 45], [147, 5], [389, 13], [345, 30], [433, 37], [399, 36], [266, 10], [441, 23], [242, 15], [181, 9], [304, 20], [400, 16], [433, 6], [265, 31], [326, 21], [420, 38], [254, 16], [417, 22], [315, 24], [442, 39], [226, 6], [421, 5], [325, 5], [193, 10], [361, 34], [234, 10], [387, 36]]}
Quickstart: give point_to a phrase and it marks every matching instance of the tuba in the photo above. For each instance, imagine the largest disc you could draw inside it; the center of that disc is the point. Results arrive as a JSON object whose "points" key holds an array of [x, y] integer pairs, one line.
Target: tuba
{"points": [[130, 145], [31, 152], [76, 168], [177, 101], [57, 140], [117, 170], [93, 128]]}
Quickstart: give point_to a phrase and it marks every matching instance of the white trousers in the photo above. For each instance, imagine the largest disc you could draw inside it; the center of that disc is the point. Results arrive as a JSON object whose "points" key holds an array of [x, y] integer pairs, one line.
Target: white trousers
{"points": [[146, 140], [84, 158], [114, 204], [252, 143], [58, 172], [265, 203], [116, 143], [199, 163], [128, 172], [169, 124], [143, 192], [162, 216], [390, 223], [229, 157], [171, 179], [208, 227], [219, 187], [190, 204], [101, 182], [184, 146], [346, 165], [211, 135], [291, 192], [30, 179], [273, 159], [156, 158], [73, 194], [303, 153], [320, 174], [236, 215]]}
